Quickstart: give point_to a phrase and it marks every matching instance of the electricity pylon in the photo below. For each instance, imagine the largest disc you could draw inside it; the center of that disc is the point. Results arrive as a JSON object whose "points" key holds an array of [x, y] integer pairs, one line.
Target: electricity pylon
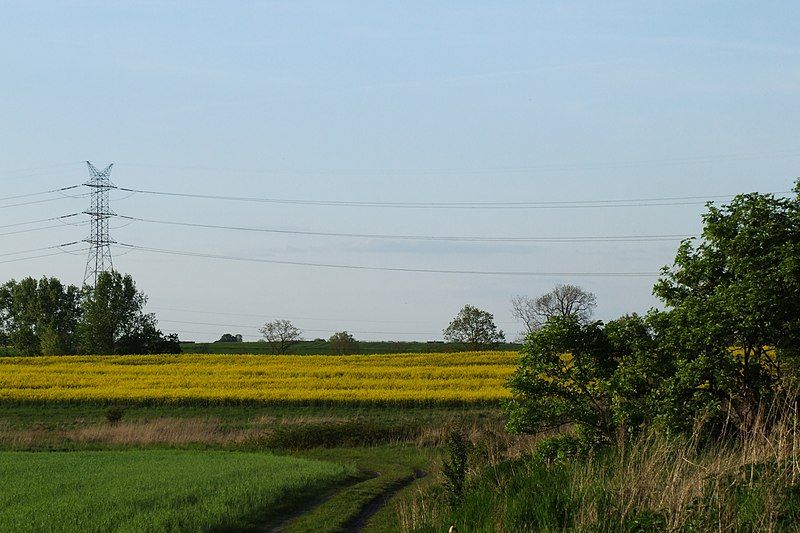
{"points": [[99, 240]]}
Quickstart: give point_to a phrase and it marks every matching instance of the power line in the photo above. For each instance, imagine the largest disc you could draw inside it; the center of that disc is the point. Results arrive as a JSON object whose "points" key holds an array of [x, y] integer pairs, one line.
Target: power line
{"points": [[261, 315], [39, 249], [387, 269], [575, 204], [38, 221], [42, 201], [17, 232], [304, 329], [182, 331], [618, 238], [38, 193], [57, 252]]}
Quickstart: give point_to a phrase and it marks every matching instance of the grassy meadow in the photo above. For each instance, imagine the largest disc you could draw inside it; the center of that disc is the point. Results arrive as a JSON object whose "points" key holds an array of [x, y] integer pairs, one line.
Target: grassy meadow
{"points": [[384, 450], [156, 490]]}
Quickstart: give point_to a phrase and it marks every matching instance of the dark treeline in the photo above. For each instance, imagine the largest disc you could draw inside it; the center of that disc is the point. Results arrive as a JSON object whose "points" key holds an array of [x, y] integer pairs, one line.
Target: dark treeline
{"points": [[46, 317]]}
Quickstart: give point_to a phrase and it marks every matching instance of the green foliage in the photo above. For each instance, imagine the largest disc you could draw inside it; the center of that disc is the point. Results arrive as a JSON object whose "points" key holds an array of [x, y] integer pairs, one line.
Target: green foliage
{"points": [[737, 287], [228, 337], [320, 347], [342, 343], [475, 328], [114, 322], [564, 377], [48, 318], [39, 316], [114, 414], [454, 466], [559, 449]]}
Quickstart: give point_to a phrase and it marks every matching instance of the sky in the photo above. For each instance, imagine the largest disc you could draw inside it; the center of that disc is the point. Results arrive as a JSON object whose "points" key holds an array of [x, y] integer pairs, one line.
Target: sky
{"points": [[431, 102]]}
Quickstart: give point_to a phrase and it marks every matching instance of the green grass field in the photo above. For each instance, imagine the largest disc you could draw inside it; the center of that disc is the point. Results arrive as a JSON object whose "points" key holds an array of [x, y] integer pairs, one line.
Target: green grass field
{"points": [[156, 490], [68, 467], [320, 347]]}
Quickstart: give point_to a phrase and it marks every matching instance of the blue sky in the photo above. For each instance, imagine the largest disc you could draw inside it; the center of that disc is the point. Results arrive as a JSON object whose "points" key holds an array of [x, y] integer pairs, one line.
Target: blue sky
{"points": [[378, 101]]}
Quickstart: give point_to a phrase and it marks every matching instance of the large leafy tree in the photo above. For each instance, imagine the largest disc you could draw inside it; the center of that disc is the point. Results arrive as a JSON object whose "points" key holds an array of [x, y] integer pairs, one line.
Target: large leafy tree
{"points": [[734, 309], [40, 316], [114, 321], [474, 327], [563, 378]]}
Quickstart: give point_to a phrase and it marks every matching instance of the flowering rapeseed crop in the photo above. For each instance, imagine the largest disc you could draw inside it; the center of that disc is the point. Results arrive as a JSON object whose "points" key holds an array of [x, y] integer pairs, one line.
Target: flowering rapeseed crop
{"points": [[402, 379]]}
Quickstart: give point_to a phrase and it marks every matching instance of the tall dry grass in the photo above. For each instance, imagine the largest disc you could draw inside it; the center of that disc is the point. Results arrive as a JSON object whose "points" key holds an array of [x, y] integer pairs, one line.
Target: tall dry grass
{"points": [[742, 482], [693, 483], [158, 431]]}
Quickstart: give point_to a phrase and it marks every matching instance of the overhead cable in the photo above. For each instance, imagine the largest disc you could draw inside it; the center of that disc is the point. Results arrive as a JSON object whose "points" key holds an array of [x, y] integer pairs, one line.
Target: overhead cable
{"points": [[574, 204], [386, 269], [616, 238], [39, 221], [29, 230], [59, 251], [31, 250], [61, 189], [304, 329]]}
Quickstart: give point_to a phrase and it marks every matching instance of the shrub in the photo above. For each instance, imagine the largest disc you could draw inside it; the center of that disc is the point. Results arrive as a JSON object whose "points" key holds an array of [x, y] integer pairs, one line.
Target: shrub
{"points": [[454, 467], [114, 414], [342, 343], [560, 448]]}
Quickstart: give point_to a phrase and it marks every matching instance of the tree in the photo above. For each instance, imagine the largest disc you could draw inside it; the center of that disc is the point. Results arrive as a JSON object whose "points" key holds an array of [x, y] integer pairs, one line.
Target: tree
{"points": [[40, 317], [563, 300], [597, 377], [474, 327], [564, 377], [114, 322], [342, 343], [280, 334], [227, 337], [733, 320]]}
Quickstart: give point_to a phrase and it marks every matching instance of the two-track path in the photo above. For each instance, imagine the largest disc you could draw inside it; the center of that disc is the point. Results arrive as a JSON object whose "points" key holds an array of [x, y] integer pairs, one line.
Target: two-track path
{"points": [[369, 509]]}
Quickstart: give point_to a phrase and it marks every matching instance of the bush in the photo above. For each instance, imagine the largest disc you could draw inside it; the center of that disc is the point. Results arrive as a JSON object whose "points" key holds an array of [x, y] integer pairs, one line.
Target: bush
{"points": [[559, 449], [114, 414], [454, 467], [342, 343]]}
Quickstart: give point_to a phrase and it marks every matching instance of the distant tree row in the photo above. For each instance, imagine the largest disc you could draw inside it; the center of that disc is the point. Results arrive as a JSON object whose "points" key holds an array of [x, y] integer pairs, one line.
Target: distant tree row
{"points": [[472, 326], [46, 317]]}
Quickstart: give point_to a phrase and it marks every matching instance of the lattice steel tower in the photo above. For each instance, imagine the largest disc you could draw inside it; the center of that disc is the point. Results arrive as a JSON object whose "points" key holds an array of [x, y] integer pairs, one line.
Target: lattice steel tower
{"points": [[99, 240]]}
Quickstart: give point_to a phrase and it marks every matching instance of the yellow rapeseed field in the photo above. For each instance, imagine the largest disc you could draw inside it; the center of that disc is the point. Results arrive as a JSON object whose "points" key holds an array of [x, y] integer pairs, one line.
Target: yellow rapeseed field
{"points": [[402, 379]]}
